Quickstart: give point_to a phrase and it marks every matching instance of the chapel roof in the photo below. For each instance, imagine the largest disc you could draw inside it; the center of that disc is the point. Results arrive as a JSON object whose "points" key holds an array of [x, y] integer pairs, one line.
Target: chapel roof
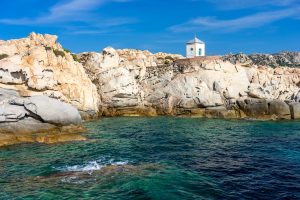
{"points": [[195, 40]]}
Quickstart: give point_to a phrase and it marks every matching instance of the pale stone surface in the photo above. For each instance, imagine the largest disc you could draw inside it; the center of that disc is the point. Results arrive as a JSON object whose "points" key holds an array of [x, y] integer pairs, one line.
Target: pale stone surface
{"points": [[27, 125], [52, 111], [33, 69], [19, 115], [11, 113], [134, 82], [132, 79]]}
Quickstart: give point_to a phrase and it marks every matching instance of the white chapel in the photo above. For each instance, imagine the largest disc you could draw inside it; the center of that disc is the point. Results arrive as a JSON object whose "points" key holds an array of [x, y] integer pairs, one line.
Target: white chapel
{"points": [[195, 48]]}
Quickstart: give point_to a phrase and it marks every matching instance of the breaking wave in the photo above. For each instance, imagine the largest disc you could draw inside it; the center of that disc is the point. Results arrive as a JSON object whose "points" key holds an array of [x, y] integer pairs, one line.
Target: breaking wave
{"points": [[91, 166]]}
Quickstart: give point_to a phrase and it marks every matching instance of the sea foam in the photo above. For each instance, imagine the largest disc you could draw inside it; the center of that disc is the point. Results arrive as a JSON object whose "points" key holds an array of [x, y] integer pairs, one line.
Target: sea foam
{"points": [[92, 166]]}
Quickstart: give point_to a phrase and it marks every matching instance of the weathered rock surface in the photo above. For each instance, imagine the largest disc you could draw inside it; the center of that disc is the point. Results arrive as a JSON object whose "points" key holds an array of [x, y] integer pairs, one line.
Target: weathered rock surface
{"points": [[52, 110], [44, 87], [284, 59], [295, 110], [25, 132], [20, 117], [132, 82], [38, 65], [14, 108]]}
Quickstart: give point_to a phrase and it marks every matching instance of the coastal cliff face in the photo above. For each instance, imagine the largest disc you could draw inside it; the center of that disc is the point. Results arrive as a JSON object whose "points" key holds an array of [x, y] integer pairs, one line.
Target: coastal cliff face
{"points": [[47, 89], [132, 82], [42, 90], [38, 65], [128, 79]]}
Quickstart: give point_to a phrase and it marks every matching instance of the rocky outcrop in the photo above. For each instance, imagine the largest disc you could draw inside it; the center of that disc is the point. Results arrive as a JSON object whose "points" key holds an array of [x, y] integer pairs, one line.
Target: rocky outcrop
{"points": [[39, 111], [295, 110], [52, 110], [20, 117], [284, 59], [132, 82], [38, 65], [119, 75], [45, 88]]}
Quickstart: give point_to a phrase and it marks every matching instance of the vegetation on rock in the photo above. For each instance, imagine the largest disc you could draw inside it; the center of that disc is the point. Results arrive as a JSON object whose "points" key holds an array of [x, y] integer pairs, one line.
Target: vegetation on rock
{"points": [[167, 62], [67, 50], [59, 53], [75, 58], [48, 48], [2, 56]]}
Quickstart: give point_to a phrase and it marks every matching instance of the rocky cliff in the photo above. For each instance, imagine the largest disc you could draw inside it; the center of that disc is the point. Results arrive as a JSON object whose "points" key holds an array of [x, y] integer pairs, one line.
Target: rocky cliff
{"points": [[38, 65], [132, 82], [44, 87]]}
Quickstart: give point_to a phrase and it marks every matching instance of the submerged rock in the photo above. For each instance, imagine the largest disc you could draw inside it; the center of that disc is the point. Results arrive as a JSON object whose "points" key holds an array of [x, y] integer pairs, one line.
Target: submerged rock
{"points": [[51, 135]]}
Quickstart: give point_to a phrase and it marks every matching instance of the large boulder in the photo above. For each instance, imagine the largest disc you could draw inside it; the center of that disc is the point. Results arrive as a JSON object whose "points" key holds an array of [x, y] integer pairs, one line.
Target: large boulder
{"points": [[37, 119], [295, 110], [255, 108], [279, 109], [52, 111]]}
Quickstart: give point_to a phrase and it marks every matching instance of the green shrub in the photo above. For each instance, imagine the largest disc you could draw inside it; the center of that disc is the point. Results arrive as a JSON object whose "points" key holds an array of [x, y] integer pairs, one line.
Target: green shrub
{"points": [[59, 53], [169, 58], [75, 58], [48, 48], [2, 56], [67, 50], [167, 62]]}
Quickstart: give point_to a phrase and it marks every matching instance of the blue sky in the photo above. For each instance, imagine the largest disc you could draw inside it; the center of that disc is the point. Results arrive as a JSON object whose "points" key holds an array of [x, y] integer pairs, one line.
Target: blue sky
{"points": [[227, 26]]}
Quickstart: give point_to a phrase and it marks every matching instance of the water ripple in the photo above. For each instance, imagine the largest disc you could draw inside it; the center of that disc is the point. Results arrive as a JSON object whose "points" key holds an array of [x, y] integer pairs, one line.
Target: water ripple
{"points": [[160, 158]]}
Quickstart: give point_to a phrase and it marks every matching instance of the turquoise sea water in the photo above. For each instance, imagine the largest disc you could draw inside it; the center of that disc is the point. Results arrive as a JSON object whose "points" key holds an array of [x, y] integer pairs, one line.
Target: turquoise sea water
{"points": [[160, 158]]}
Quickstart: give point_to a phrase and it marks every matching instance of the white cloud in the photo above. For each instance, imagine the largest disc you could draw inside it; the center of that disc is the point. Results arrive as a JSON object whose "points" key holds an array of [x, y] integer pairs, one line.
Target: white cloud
{"points": [[103, 26], [68, 11], [229, 25]]}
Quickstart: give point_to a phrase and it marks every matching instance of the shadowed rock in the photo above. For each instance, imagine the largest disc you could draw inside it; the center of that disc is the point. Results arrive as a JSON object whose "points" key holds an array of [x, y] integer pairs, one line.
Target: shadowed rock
{"points": [[280, 109], [295, 110]]}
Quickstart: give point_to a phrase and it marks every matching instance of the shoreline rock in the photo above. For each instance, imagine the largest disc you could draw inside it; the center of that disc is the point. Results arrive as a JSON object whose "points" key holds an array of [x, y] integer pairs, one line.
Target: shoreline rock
{"points": [[37, 119], [139, 83], [39, 65], [44, 87], [48, 135]]}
